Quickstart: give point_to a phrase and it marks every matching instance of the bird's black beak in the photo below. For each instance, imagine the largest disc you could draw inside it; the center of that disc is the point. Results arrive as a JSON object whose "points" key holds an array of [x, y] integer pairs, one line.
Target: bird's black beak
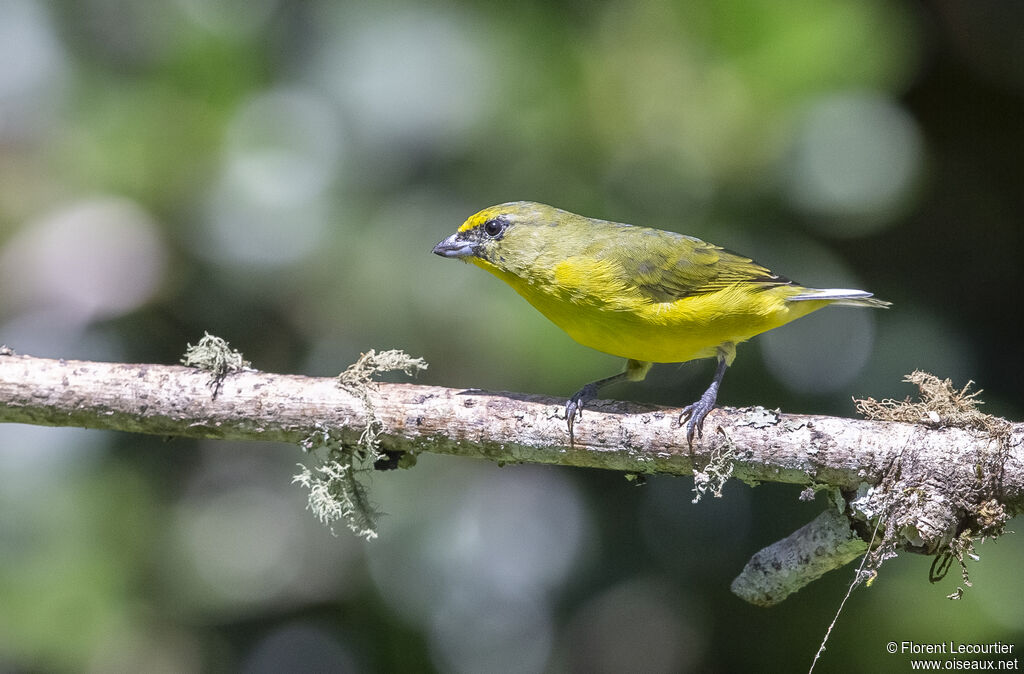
{"points": [[454, 246]]}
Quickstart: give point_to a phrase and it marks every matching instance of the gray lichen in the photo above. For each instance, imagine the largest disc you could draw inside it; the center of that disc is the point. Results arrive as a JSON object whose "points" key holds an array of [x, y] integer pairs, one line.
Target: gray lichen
{"points": [[336, 491]]}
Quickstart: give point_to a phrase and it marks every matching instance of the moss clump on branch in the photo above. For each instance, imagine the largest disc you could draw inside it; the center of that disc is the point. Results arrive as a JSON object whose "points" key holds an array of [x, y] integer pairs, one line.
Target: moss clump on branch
{"points": [[940, 405], [943, 405]]}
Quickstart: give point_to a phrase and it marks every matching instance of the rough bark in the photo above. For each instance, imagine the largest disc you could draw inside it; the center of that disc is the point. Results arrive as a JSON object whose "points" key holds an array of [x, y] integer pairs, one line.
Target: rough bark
{"points": [[957, 479], [825, 543]]}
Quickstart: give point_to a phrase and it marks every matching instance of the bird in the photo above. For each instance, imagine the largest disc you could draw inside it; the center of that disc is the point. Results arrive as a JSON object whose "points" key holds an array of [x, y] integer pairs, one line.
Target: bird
{"points": [[643, 294]]}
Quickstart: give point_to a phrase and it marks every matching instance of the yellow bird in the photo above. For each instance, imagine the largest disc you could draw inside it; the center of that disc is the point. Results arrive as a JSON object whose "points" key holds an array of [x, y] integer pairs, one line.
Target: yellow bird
{"points": [[644, 294]]}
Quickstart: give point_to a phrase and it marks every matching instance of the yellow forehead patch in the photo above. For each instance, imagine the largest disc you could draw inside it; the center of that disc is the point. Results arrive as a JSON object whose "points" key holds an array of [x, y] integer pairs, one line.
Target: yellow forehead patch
{"points": [[480, 218]]}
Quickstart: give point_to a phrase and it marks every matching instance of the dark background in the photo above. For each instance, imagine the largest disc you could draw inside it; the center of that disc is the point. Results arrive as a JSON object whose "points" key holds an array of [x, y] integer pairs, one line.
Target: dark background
{"points": [[277, 172]]}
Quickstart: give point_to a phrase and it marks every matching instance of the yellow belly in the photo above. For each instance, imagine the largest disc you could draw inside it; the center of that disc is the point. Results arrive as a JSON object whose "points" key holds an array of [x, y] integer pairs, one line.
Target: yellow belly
{"points": [[669, 332]]}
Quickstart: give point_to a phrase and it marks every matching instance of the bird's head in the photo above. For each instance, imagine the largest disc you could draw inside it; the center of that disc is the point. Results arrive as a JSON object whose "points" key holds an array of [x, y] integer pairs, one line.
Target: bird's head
{"points": [[510, 238]]}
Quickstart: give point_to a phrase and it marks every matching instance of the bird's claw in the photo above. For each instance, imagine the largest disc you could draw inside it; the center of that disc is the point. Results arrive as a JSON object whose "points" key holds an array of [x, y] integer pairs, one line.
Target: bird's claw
{"points": [[694, 415], [574, 408]]}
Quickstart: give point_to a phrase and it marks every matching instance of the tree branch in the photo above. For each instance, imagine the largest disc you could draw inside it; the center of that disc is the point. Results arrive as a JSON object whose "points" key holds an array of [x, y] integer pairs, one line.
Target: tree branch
{"points": [[959, 480]]}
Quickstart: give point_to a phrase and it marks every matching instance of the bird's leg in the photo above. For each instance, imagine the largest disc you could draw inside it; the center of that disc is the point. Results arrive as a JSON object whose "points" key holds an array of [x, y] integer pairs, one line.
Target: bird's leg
{"points": [[635, 370], [695, 413]]}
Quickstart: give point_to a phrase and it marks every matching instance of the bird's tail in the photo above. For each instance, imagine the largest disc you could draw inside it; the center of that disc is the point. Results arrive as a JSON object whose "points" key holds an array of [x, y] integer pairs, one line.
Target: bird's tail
{"points": [[840, 297]]}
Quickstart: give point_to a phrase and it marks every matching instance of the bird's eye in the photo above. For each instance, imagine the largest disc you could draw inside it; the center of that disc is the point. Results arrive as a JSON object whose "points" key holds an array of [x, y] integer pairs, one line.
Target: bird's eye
{"points": [[493, 228]]}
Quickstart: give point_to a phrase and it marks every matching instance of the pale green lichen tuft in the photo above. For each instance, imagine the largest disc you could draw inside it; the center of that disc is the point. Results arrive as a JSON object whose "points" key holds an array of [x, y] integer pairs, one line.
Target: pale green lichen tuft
{"points": [[216, 356], [335, 493], [336, 490], [360, 374], [357, 379], [718, 470]]}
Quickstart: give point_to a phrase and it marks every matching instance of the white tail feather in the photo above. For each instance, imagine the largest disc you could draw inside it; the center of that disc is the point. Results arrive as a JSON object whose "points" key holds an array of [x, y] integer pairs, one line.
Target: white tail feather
{"points": [[829, 294], [841, 296]]}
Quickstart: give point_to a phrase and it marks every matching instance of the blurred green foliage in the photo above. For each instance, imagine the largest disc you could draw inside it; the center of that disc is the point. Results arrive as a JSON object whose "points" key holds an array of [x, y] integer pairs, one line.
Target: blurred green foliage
{"points": [[276, 173]]}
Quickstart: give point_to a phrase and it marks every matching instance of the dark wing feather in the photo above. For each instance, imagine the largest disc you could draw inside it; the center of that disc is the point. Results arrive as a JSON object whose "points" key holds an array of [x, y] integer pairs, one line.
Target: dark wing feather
{"points": [[666, 266]]}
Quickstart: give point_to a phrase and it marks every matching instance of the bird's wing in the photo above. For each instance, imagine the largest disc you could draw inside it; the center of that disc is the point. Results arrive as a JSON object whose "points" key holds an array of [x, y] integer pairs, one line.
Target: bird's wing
{"points": [[665, 266]]}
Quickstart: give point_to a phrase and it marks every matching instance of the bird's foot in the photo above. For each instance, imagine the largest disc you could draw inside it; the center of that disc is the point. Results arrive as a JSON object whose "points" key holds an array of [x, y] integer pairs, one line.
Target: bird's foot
{"points": [[694, 416], [574, 407]]}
